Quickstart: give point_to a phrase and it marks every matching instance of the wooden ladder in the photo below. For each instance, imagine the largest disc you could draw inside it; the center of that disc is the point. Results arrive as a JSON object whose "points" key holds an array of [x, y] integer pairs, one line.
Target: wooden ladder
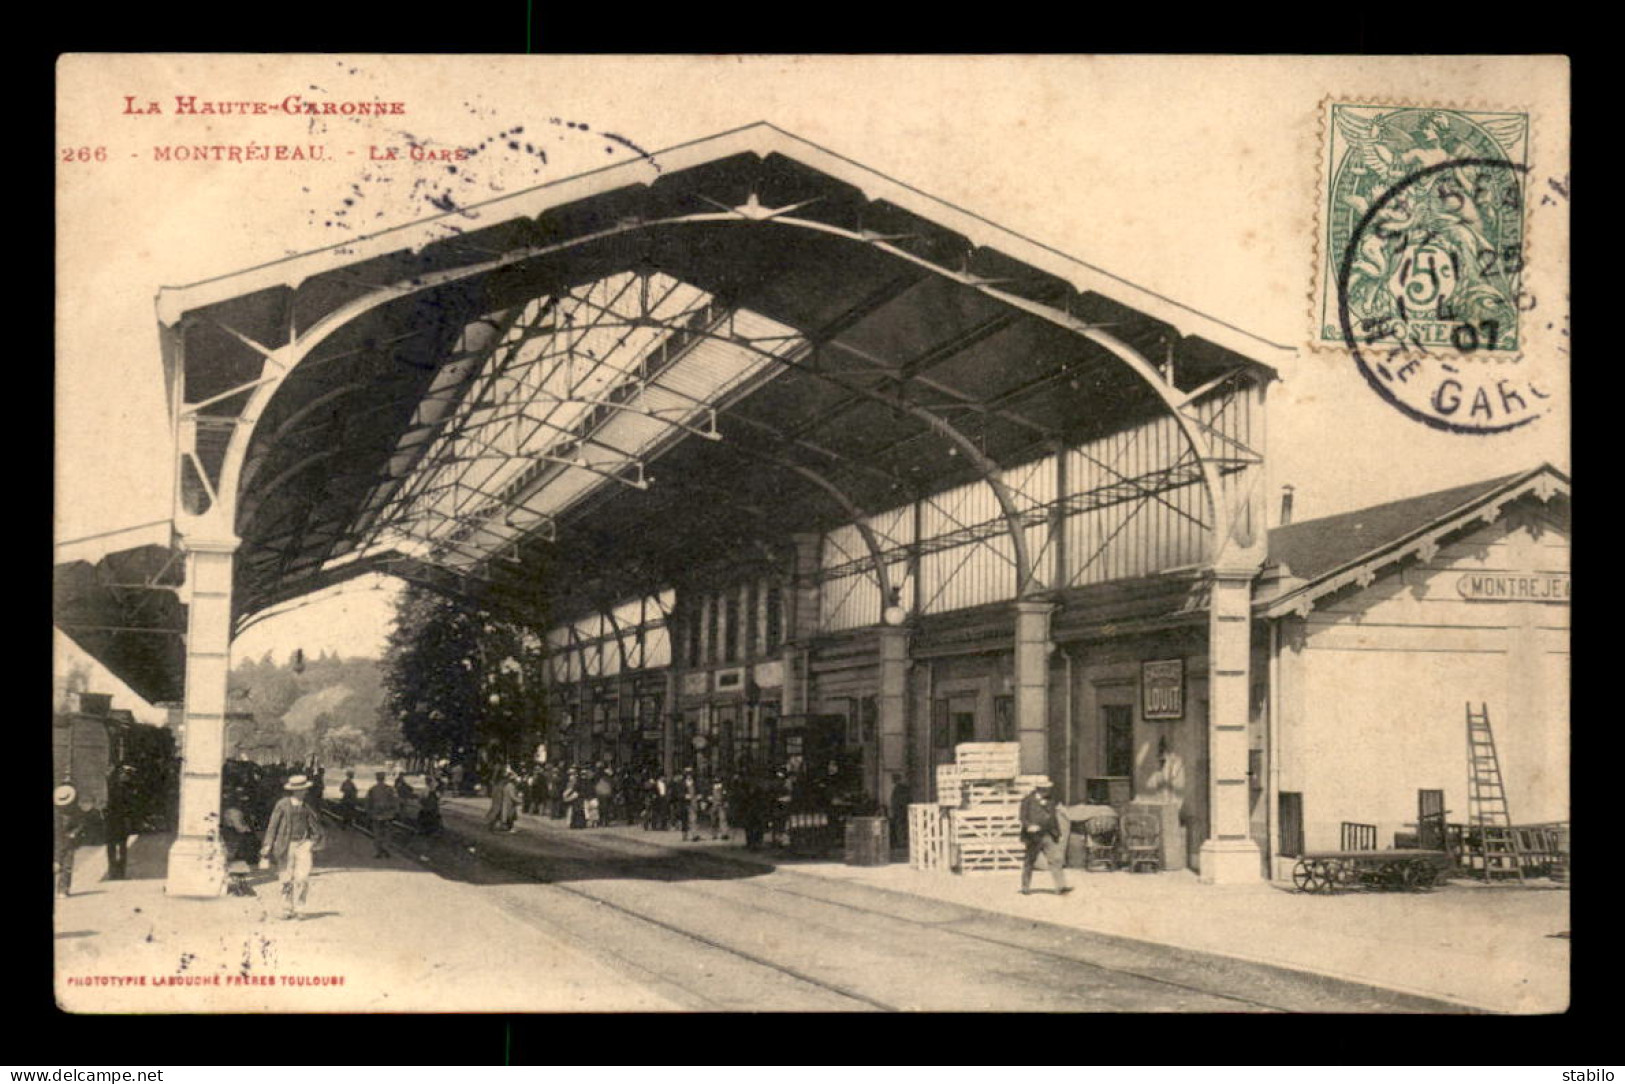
{"points": [[1487, 800]]}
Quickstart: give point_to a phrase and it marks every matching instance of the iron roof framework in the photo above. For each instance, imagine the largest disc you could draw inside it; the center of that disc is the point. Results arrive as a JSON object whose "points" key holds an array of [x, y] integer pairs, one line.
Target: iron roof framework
{"points": [[575, 395]]}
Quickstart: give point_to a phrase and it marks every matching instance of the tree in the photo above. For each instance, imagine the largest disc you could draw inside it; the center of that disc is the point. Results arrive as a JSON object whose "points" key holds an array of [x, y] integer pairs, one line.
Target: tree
{"points": [[344, 745], [457, 679], [267, 692]]}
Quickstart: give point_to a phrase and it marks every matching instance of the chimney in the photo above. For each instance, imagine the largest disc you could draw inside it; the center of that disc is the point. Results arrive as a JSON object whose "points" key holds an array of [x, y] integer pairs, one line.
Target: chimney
{"points": [[1286, 505]]}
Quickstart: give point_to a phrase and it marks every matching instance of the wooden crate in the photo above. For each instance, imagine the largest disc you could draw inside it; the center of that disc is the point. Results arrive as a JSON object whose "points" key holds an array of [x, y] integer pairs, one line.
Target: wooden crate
{"points": [[948, 785], [988, 824], [991, 794], [930, 837], [988, 760], [996, 857]]}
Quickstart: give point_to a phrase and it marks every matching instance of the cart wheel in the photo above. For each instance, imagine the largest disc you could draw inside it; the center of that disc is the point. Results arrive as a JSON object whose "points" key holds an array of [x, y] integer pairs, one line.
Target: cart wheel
{"points": [[1303, 876], [1342, 874], [1391, 875], [1419, 876], [1326, 872]]}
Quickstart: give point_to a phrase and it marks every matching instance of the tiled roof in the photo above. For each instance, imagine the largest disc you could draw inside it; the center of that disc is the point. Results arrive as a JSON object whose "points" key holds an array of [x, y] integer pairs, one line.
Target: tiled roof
{"points": [[1327, 554], [1320, 545]]}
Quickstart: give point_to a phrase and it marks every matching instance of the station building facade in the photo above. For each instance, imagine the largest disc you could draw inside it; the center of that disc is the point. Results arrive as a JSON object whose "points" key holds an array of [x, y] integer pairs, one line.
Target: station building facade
{"points": [[1370, 634]]}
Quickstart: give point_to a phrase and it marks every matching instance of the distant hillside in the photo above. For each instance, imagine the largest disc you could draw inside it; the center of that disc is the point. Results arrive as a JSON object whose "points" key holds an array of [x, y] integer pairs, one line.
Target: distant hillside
{"points": [[301, 717], [288, 708]]}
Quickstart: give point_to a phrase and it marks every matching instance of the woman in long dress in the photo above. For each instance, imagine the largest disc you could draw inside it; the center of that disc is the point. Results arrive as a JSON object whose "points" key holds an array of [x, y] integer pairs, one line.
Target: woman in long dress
{"points": [[511, 798], [493, 815], [572, 800]]}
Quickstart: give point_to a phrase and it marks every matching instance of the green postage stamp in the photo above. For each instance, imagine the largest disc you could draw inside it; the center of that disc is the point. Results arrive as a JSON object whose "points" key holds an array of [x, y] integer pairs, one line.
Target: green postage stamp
{"points": [[1422, 238]]}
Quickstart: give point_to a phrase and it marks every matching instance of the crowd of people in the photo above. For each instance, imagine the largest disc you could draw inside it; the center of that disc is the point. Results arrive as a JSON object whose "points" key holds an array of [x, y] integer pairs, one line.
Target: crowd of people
{"points": [[134, 802], [251, 792], [756, 804]]}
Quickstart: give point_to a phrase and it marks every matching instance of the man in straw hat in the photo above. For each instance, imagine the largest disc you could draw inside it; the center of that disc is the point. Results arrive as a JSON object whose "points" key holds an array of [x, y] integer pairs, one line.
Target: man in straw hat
{"points": [[1041, 834], [293, 837], [70, 826]]}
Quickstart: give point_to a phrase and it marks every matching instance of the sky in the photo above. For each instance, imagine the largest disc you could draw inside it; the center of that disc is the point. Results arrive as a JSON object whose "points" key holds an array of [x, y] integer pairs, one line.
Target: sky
{"points": [[1197, 178]]}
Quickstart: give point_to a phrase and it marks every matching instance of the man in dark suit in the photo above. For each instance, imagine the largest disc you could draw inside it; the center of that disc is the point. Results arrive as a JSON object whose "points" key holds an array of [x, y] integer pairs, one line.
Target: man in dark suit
{"points": [[349, 799], [688, 804], [1041, 834], [382, 805], [119, 819], [902, 795]]}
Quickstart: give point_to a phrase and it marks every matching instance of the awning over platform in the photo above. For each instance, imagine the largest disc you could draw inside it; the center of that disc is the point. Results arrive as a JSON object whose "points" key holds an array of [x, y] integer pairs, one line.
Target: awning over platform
{"points": [[575, 394], [124, 609]]}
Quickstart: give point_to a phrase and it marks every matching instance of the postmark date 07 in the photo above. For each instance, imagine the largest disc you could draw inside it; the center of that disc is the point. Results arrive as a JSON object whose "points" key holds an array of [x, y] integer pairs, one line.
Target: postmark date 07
{"points": [[83, 154]]}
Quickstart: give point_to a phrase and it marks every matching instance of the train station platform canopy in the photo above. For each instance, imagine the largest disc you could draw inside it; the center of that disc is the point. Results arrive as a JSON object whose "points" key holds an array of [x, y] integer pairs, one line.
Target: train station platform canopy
{"points": [[118, 599], [572, 394]]}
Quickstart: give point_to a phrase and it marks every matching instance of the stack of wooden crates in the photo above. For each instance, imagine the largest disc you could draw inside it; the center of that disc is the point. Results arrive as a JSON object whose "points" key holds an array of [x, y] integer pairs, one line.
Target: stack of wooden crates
{"points": [[975, 823]]}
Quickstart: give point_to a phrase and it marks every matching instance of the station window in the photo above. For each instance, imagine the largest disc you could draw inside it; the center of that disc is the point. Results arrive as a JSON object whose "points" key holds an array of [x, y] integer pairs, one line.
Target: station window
{"points": [[939, 724], [730, 634], [753, 618], [714, 615], [1118, 726], [774, 617], [869, 720], [1004, 718]]}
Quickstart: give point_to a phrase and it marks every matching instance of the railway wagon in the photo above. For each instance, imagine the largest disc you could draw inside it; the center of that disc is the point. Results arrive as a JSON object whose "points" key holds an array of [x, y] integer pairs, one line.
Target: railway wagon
{"points": [[87, 745]]}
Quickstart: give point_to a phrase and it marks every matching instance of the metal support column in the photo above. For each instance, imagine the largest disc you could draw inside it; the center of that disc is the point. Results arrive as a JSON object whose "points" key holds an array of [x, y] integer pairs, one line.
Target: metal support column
{"points": [[1229, 855], [893, 707], [1033, 648], [800, 623], [668, 719], [196, 860]]}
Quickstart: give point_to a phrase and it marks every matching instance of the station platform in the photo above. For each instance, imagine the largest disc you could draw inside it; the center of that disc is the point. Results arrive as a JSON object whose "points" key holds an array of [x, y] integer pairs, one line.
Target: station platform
{"points": [[399, 938], [1500, 948]]}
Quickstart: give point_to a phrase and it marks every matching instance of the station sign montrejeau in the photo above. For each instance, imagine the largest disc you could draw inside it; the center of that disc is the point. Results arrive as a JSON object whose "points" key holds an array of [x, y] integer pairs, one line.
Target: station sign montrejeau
{"points": [[1514, 587]]}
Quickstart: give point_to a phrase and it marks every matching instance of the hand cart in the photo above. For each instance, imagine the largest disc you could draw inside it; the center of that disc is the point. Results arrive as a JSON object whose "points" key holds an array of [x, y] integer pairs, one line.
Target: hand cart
{"points": [[1383, 871]]}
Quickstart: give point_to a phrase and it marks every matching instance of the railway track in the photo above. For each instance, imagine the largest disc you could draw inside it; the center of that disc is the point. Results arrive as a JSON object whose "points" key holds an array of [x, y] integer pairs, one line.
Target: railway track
{"points": [[549, 860], [655, 967]]}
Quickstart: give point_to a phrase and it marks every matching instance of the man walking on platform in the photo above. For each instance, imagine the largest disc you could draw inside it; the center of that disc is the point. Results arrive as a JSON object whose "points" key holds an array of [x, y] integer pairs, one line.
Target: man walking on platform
{"points": [[70, 827], [119, 820], [902, 795], [349, 799], [688, 804], [293, 837], [382, 805], [1041, 834]]}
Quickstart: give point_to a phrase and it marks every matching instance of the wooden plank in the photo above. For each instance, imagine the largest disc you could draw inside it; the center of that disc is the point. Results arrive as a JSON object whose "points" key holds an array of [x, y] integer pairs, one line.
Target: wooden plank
{"points": [[930, 843], [988, 760]]}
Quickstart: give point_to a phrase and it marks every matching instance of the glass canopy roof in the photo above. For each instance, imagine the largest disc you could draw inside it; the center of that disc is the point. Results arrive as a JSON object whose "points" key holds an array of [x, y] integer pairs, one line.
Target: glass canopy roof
{"points": [[576, 391]]}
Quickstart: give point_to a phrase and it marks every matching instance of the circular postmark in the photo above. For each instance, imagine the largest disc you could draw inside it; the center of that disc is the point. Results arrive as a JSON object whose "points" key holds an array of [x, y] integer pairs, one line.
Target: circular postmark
{"points": [[1429, 295]]}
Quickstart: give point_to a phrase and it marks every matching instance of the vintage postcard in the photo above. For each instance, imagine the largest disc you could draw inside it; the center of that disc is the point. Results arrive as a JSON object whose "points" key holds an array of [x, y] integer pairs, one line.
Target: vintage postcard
{"points": [[781, 533]]}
